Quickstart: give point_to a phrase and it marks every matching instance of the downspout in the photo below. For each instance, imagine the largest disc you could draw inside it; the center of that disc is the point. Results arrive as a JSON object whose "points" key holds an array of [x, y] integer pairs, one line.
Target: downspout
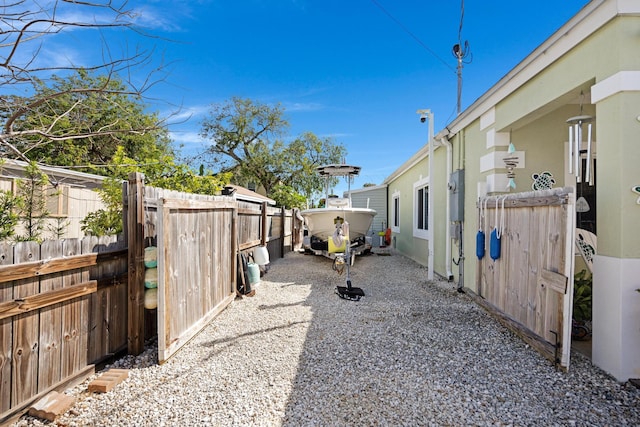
{"points": [[430, 219], [444, 140]]}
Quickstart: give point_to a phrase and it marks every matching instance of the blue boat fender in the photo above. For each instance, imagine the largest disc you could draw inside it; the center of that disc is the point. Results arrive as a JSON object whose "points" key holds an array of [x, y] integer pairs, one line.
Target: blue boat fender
{"points": [[494, 245], [480, 244]]}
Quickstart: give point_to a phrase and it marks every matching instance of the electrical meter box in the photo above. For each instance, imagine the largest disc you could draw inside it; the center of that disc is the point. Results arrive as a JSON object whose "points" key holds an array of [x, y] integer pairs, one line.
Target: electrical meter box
{"points": [[456, 196]]}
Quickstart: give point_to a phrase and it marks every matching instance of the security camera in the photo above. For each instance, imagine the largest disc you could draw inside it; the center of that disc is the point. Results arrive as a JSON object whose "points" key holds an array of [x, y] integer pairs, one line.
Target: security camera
{"points": [[424, 115]]}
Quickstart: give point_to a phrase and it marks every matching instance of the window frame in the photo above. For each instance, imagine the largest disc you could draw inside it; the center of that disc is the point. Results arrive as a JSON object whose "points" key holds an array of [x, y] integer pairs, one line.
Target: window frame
{"points": [[421, 210], [395, 212]]}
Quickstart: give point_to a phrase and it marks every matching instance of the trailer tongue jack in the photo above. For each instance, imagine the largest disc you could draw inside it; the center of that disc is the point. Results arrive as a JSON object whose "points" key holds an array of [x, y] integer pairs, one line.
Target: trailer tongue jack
{"points": [[347, 292]]}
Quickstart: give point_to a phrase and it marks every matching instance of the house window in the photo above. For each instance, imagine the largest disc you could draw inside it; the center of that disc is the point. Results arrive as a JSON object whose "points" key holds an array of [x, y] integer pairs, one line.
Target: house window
{"points": [[395, 212], [57, 200], [421, 209]]}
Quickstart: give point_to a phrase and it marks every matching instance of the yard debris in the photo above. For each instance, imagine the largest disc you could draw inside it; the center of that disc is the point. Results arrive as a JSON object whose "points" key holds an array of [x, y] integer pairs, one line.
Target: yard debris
{"points": [[108, 380], [52, 405]]}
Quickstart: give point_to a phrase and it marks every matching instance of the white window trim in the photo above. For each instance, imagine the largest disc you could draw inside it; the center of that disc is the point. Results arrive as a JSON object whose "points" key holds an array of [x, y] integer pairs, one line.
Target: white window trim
{"points": [[395, 196], [420, 234]]}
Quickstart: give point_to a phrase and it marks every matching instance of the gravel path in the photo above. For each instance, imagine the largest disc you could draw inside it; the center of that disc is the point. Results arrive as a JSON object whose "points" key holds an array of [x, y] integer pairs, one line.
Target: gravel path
{"points": [[410, 353]]}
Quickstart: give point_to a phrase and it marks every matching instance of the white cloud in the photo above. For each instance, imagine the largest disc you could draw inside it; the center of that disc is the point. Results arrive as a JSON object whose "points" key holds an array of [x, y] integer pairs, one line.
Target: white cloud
{"points": [[188, 142], [56, 56], [186, 137], [157, 19], [184, 114], [335, 135], [296, 107]]}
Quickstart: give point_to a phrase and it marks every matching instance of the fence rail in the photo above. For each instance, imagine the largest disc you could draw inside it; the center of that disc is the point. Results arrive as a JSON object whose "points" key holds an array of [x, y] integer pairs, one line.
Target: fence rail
{"points": [[57, 300]]}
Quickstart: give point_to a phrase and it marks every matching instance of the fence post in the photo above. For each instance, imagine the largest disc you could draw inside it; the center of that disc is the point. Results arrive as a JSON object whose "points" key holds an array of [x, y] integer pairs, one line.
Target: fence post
{"points": [[294, 230], [135, 233], [283, 221], [263, 238], [234, 248]]}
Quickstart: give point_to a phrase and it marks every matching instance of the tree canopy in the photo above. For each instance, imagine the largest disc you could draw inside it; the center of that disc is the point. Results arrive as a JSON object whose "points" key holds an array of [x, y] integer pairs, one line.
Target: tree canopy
{"points": [[46, 116], [83, 126], [248, 138]]}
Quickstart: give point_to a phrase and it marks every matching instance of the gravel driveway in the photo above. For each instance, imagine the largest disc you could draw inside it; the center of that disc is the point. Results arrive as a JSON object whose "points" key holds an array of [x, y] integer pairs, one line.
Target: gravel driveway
{"points": [[410, 353]]}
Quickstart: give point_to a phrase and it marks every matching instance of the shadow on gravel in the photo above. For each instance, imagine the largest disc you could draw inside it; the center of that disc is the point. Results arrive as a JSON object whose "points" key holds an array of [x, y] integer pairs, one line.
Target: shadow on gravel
{"points": [[413, 352], [276, 306], [220, 345]]}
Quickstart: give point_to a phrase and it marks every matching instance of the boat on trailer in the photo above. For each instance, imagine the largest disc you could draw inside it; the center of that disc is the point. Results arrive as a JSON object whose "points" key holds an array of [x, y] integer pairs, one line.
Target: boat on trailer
{"points": [[338, 215], [338, 230]]}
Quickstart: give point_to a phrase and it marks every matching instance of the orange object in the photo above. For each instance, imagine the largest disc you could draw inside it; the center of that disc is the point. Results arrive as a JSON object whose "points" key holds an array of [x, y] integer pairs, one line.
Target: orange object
{"points": [[387, 236]]}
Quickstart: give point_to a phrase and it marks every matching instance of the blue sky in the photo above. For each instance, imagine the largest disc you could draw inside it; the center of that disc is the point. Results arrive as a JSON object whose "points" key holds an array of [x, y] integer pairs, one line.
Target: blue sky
{"points": [[355, 70]]}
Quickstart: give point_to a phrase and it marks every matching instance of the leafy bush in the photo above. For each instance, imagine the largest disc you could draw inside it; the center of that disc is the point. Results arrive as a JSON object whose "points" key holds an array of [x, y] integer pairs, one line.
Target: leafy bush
{"points": [[32, 203], [8, 215], [103, 222], [286, 196], [582, 297]]}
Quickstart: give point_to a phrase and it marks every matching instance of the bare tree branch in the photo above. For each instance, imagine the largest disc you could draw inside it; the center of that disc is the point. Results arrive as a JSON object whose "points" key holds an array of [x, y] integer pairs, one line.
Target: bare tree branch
{"points": [[26, 28]]}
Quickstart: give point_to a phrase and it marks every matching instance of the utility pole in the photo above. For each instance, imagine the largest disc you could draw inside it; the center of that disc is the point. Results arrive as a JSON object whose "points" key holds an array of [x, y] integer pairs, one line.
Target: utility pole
{"points": [[461, 52]]}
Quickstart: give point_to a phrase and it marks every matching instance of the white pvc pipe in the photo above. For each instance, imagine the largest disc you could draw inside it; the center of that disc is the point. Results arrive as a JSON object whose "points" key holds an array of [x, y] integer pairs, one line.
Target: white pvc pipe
{"points": [[430, 219], [447, 250]]}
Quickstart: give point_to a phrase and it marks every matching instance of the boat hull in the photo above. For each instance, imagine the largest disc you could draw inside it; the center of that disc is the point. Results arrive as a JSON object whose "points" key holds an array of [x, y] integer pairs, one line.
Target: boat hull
{"points": [[321, 221]]}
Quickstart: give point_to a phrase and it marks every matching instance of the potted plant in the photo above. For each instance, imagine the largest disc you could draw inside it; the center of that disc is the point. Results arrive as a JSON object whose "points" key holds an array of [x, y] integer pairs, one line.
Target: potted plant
{"points": [[582, 299]]}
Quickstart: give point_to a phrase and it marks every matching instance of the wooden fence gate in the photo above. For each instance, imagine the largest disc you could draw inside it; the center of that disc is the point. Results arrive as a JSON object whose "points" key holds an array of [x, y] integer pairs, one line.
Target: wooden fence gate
{"points": [[198, 239], [196, 243], [530, 284]]}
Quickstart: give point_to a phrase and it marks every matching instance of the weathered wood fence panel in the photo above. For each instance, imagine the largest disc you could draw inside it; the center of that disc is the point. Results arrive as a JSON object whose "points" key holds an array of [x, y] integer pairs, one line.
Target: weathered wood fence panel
{"points": [[250, 225], [66, 305], [48, 330], [531, 283], [108, 306], [196, 247], [6, 334]]}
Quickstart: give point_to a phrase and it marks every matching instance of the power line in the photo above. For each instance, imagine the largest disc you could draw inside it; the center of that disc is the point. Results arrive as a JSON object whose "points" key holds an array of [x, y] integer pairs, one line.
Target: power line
{"points": [[406, 30], [97, 165]]}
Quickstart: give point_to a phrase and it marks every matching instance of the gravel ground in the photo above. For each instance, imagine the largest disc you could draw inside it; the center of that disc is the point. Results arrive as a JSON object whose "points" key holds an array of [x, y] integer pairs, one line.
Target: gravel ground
{"points": [[410, 353]]}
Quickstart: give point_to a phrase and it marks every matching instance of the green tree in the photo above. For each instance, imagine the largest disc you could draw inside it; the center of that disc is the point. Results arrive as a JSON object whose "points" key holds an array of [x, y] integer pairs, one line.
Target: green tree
{"points": [[287, 197], [106, 221], [68, 120], [96, 107], [32, 202], [164, 173], [8, 215], [248, 139]]}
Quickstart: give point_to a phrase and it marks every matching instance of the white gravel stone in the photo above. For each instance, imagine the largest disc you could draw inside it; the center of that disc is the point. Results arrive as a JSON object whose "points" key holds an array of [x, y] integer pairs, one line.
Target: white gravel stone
{"points": [[410, 353]]}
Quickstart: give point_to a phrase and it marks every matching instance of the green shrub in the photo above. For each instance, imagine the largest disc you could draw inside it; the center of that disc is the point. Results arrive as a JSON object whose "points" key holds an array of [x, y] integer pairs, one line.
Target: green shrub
{"points": [[582, 296]]}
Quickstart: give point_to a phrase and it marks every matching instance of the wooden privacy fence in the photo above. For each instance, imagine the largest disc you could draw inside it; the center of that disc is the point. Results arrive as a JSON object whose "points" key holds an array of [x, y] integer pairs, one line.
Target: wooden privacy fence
{"points": [[67, 305], [530, 285], [197, 239], [61, 310]]}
